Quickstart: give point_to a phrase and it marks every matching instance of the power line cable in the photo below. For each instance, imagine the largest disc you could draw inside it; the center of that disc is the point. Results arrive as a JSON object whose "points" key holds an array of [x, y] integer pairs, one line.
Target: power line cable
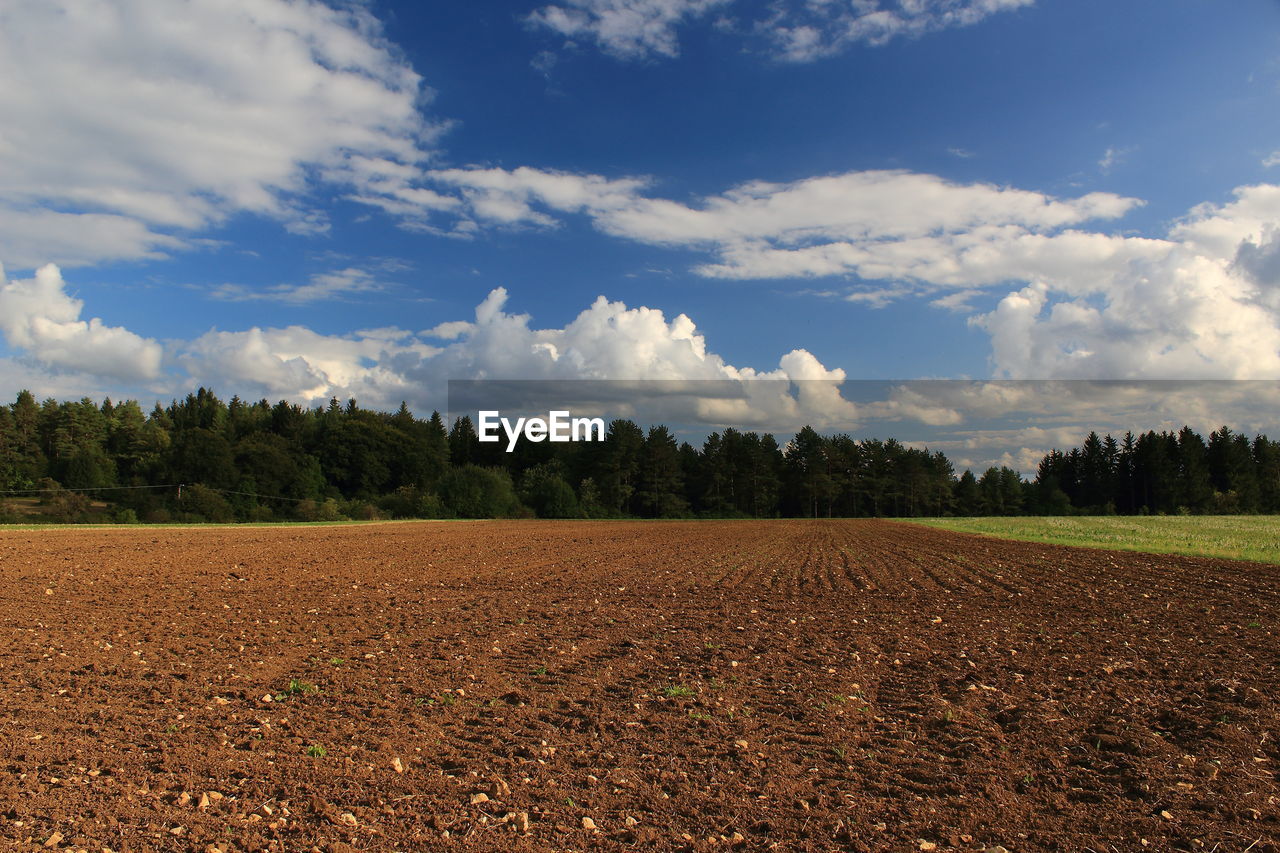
{"points": [[97, 489], [178, 486]]}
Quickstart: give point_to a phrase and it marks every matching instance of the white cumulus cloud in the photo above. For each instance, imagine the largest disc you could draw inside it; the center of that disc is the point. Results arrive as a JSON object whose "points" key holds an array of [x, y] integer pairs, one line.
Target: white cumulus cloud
{"points": [[39, 317], [1198, 304], [606, 341]]}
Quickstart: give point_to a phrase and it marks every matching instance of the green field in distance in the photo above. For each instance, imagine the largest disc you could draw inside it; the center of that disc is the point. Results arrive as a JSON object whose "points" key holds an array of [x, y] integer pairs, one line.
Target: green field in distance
{"points": [[1237, 537]]}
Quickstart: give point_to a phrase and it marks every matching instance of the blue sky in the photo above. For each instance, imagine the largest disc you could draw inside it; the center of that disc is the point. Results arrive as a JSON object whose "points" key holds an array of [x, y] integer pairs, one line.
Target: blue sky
{"points": [[284, 198]]}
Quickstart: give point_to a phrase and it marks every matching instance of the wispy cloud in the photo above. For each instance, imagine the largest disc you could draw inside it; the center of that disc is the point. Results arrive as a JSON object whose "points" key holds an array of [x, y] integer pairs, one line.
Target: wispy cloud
{"points": [[794, 30], [805, 31], [958, 301], [876, 225], [1113, 157], [320, 287], [876, 297], [627, 29]]}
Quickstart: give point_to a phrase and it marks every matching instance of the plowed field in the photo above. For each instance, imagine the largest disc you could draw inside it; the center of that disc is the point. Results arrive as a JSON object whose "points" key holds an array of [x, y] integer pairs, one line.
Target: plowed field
{"points": [[792, 685]]}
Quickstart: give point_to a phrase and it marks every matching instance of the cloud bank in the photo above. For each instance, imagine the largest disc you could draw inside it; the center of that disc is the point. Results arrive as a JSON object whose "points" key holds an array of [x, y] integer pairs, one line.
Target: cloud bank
{"points": [[142, 127], [978, 423], [1200, 301], [381, 367]]}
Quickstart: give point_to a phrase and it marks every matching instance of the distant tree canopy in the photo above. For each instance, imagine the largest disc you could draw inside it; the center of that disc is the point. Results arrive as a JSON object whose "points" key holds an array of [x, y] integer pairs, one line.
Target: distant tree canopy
{"points": [[258, 461], [1164, 472]]}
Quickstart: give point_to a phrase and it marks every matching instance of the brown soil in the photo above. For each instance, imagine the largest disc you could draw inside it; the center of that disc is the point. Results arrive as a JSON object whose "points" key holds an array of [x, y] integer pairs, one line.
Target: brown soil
{"points": [[800, 686]]}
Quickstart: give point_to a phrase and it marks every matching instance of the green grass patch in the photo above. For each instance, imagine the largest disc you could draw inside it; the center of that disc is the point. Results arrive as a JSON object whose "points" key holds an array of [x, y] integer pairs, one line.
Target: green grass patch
{"points": [[297, 687], [1235, 537]]}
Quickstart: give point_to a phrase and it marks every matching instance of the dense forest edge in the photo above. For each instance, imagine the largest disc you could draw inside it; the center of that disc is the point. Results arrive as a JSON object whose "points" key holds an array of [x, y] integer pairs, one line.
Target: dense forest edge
{"points": [[205, 460]]}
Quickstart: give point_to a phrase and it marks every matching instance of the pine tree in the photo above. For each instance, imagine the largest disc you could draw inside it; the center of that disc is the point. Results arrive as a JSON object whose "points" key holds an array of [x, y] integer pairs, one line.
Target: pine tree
{"points": [[660, 492], [1266, 460], [464, 444], [967, 498], [1195, 491], [437, 448], [809, 472]]}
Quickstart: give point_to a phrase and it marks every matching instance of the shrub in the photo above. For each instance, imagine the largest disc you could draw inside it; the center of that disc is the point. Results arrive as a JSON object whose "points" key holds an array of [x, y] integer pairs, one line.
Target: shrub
{"points": [[261, 513], [157, 515], [474, 492], [412, 502], [66, 507], [361, 511], [309, 510], [547, 493], [200, 503]]}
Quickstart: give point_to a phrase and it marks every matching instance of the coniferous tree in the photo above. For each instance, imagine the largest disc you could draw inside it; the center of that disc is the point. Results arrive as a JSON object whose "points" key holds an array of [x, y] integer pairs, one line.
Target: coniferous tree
{"points": [[1195, 490], [619, 466], [1050, 498], [1266, 459], [464, 444], [436, 448], [1126, 486], [808, 473], [30, 464], [967, 498], [1231, 470], [660, 492]]}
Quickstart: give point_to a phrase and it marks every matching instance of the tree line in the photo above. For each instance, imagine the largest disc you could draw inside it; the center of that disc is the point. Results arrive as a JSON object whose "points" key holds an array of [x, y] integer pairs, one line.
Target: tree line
{"points": [[1162, 472], [203, 459]]}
